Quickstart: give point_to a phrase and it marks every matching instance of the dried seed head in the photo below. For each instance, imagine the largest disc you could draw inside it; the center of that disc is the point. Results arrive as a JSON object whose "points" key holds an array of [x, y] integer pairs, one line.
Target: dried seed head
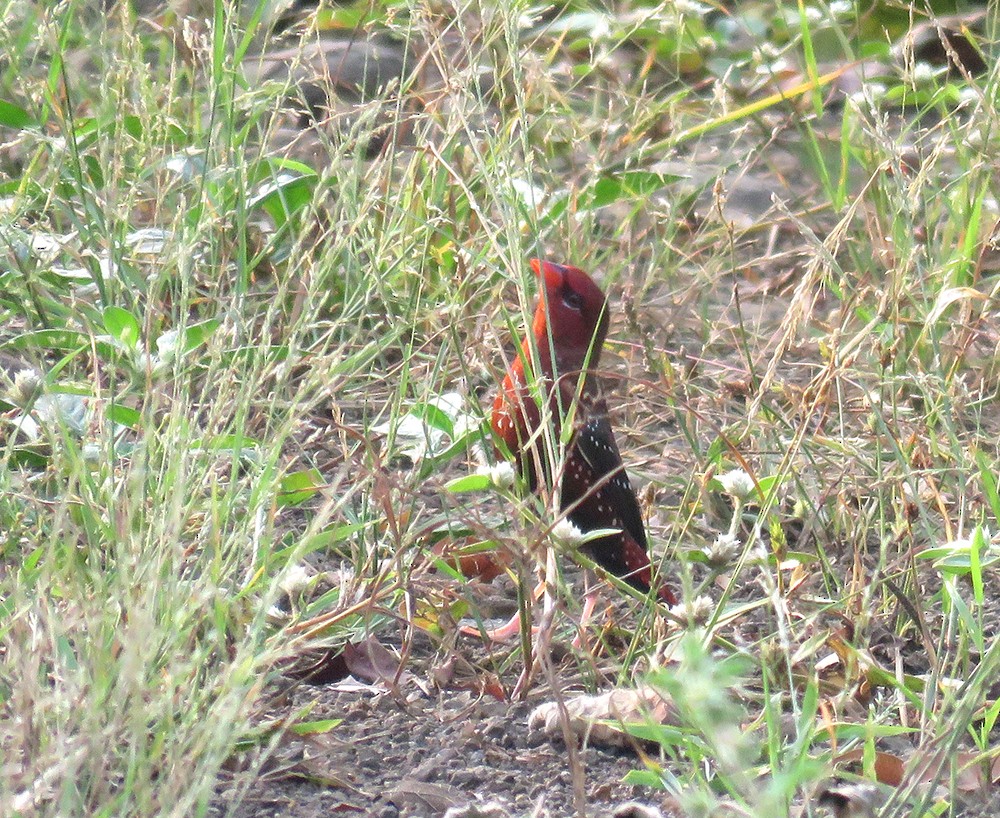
{"points": [[737, 483], [566, 534], [694, 612], [723, 551], [27, 384]]}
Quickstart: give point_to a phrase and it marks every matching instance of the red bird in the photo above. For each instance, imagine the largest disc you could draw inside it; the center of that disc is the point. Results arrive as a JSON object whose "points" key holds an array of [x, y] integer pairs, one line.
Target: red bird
{"points": [[568, 331]]}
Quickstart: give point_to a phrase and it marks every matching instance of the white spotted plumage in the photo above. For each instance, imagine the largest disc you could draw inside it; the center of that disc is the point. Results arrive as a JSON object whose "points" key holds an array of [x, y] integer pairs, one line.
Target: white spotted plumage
{"points": [[566, 336]]}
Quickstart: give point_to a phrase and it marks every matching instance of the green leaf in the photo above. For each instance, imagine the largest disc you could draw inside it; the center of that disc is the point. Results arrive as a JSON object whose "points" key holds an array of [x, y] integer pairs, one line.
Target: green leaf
{"points": [[28, 189], [14, 116], [716, 449], [250, 29], [287, 192], [95, 173], [598, 533], [471, 482], [299, 486], [324, 539], [347, 17], [435, 417], [989, 479], [121, 324], [662, 734], [218, 40], [629, 186], [227, 443], [124, 415], [197, 334], [957, 558], [270, 168], [63, 340], [556, 209], [84, 127], [766, 484], [313, 728], [952, 598], [977, 545], [31, 563], [847, 731], [29, 457], [643, 778], [132, 125]]}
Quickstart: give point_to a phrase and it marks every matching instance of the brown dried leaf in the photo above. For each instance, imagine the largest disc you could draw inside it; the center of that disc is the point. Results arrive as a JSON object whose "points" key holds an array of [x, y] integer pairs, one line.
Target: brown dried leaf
{"points": [[425, 795], [588, 714], [472, 562], [888, 767], [371, 662], [971, 773]]}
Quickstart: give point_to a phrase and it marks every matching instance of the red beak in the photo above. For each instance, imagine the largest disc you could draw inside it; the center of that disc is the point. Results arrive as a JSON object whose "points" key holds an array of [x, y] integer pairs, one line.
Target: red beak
{"points": [[549, 273]]}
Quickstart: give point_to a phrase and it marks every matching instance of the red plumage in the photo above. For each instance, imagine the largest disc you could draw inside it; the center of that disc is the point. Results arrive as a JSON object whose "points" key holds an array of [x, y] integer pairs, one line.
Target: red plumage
{"points": [[568, 331]]}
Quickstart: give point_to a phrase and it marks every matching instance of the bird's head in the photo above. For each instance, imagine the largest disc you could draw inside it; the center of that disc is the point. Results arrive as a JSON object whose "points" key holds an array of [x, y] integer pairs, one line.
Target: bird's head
{"points": [[574, 310]]}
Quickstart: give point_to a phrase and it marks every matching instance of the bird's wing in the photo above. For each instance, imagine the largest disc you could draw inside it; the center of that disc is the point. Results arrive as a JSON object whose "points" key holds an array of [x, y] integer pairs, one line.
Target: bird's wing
{"points": [[595, 443]]}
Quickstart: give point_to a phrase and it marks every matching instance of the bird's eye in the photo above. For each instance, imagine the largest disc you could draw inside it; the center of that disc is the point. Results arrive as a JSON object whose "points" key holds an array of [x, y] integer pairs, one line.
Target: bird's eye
{"points": [[572, 299]]}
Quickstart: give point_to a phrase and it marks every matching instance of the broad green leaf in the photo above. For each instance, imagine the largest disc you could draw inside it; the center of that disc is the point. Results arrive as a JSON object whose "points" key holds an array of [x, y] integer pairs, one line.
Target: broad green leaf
{"points": [[631, 185], [64, 340], [323, 540], [848, 730], [313, 728], [435, 417], [121, 324], [285, 194], [14, 116], [197, 334], [299, 486], [224, 443], [766, 484], [471, 482], [989, 479], [124, 415], [643, 778]]}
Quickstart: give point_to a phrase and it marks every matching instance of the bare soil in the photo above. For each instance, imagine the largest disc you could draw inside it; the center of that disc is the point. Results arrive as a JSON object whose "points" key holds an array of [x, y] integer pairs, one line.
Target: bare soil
{"points": [[418, 749]]}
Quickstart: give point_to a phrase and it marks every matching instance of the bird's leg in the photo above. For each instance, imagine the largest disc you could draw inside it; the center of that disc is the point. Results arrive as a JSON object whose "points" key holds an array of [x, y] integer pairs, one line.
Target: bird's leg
{"points": [[505, 632], [590, 599], [509, 629]]}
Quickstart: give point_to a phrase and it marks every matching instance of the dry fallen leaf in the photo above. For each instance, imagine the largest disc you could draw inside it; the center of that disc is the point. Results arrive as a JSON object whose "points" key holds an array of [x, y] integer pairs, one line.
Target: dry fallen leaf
{"points": [[425, 795], [368, 661], [471, 561], [588, 714], [372, 662], [889, 768]]}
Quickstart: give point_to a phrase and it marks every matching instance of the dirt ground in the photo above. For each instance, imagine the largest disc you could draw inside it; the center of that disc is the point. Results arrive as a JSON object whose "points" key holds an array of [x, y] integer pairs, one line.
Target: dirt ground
{"points": [[420, 748], [424, 756], [438, 729], [429, 743]]}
